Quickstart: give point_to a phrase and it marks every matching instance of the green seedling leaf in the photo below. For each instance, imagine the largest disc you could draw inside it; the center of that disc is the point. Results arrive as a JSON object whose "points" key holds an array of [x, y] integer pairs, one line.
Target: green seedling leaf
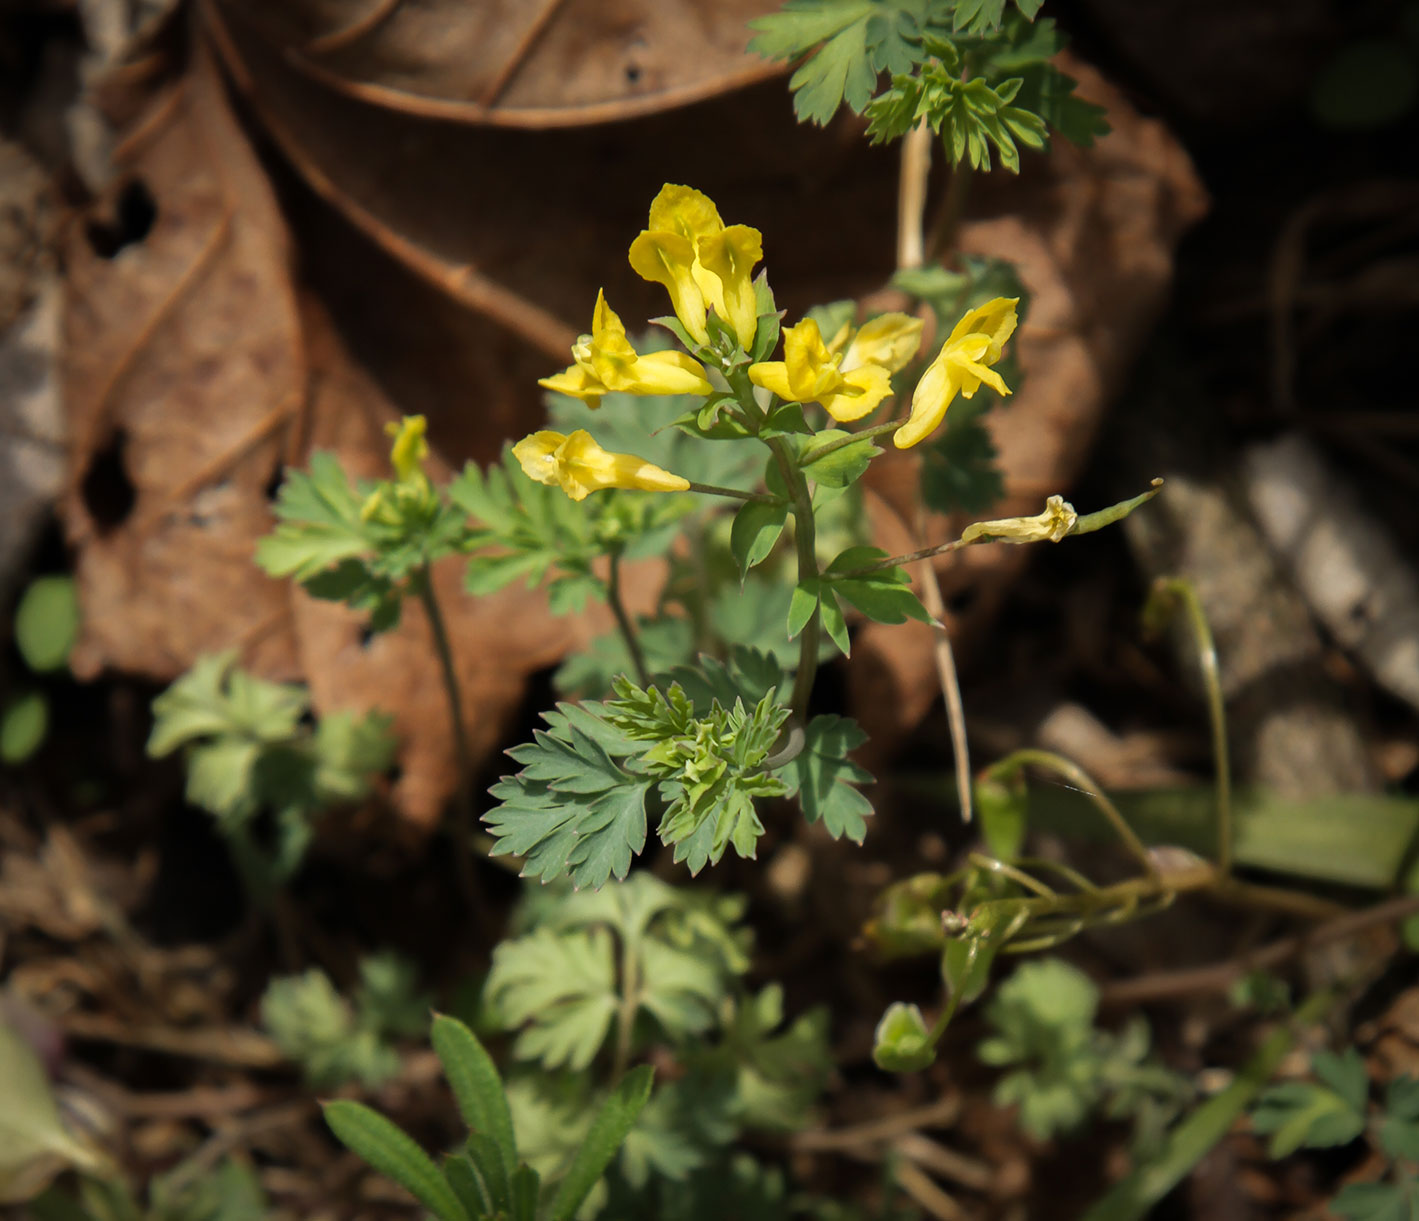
{"points": [[392, 1152], [1189, 1142], [1301, 1113], [756, 529], [1345, 1074], [902, 1043], [476, 1085], [47, 623], [1399, 1134], [769, 318], [563, 987], [802, 605], [608, 1132], [959, 471], [1378, 1201], [841, 69], [525, 1190], [24, 724], [320, 522], [34, 1143]]}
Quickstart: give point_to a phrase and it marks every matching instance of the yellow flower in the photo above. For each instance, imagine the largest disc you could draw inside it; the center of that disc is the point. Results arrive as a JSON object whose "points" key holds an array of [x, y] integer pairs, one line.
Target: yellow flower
{"points": [[410, 449], [606, 361], [579, 466], [411, 488], [889, 340], [811, 373], [1053, 524], [702, 262], [961, 366]]}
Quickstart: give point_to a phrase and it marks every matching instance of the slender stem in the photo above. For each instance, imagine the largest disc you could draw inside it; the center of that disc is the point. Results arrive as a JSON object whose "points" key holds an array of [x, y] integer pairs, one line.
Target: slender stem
{"points": [[1081, 780], [623, 620], [464, 821], [710, 489], [630, 1002], [1166, 593], [911, 557], [947, 222], [1191, 981], [837, 443], [945, 658], [805, 539]]}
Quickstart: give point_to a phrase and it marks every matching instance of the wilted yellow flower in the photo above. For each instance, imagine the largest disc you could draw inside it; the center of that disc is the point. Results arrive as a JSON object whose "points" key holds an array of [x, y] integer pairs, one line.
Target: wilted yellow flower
{"points": [[961, 366], [702, 262], [889, 340], [579, 466], [1050, 526], [811, 373], [606, 361]]}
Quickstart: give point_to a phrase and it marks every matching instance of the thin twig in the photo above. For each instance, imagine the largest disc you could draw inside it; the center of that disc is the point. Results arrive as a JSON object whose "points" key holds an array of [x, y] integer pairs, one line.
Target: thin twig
{"points": [[945, 658], [464, 820], [711, 489], [1194, 981], [623, 621], [940, 1114]]}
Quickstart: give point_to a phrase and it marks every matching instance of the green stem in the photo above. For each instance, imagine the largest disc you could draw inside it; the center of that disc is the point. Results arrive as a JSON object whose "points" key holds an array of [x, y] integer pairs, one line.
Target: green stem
{"points": [[911, 557], [464, 821], [805, 540], [626, 1010], [1081, 780], [623, 620], [710, 489], [947, 222], [1167, 592], [837, 443]]}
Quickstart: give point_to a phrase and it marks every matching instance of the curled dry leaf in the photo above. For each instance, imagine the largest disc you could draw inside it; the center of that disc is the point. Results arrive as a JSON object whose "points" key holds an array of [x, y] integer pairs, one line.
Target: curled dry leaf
{"points": [[191, 377], [549, 63], [183, 371], [1092, 234]]}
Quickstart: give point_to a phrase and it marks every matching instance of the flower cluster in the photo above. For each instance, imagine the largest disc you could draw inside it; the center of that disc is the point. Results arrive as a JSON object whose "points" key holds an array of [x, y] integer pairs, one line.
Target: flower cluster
{"points": [[707, 267]]}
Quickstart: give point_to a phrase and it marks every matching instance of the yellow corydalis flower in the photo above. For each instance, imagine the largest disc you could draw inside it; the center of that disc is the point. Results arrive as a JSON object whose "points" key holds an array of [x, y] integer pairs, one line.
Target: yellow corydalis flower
{"points": [[702, 262], [577, 465], [889, 340], [407, 456], [961, 366], [810, 372], [410, 449], [606, 361]]}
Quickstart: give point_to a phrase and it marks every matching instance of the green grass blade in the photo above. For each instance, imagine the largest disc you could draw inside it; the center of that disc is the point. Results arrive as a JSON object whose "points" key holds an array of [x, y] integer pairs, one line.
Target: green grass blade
{"points": [[391, 1151], [476, 1085], [608, 1132]]}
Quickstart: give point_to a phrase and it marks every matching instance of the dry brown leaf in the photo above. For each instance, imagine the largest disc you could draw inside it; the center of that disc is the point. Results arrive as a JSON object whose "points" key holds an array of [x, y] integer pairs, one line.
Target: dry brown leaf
{"points": [[1092, 234], [549, 63], [183, 369], [187, 377]]}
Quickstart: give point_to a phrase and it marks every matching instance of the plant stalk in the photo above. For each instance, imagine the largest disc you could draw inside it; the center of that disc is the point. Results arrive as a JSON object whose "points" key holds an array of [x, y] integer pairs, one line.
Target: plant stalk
{"points": [[1075, 775], [805, 540], [623, 620], [464, 820], [1167, 593]]}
